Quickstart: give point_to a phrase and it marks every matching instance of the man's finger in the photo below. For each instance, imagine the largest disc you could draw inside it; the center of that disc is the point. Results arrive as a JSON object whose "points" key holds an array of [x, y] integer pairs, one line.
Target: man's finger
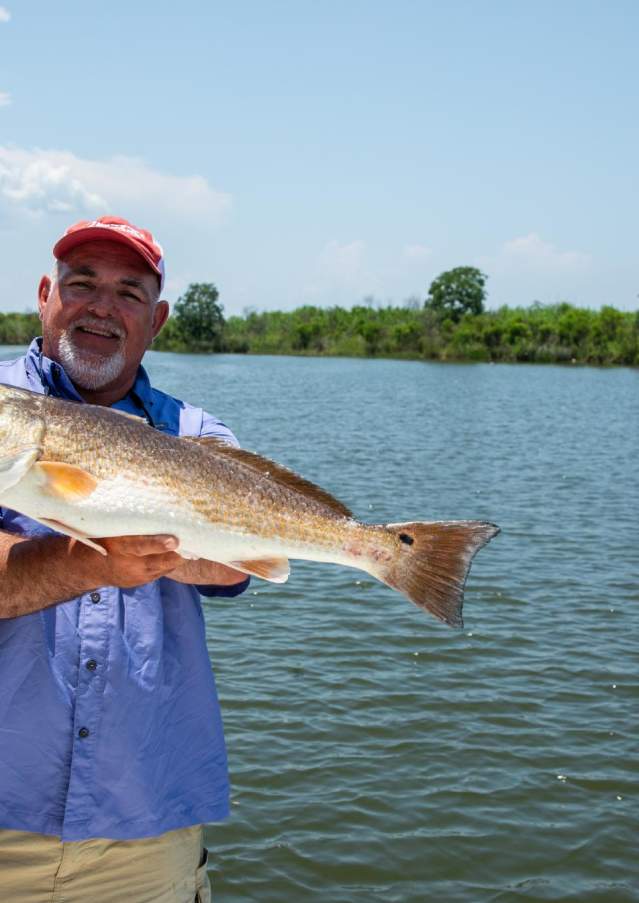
{"points": [[140, 545], [162, 563]]}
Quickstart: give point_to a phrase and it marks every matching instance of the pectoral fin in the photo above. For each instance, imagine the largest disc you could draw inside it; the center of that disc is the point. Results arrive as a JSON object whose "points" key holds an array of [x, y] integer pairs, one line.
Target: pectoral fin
{"points": [[276, 570], [139, 419], [66, 481], [69, 531], [13, 467]]}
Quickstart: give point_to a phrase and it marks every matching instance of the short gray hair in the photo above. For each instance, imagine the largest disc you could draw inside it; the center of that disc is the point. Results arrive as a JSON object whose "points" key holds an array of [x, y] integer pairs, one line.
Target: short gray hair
{"points": [[54, 274]]}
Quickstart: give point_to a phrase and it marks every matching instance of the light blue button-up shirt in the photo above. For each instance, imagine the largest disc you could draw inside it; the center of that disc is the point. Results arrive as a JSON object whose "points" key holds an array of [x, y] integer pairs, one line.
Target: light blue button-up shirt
{"points": [[109, 720]]}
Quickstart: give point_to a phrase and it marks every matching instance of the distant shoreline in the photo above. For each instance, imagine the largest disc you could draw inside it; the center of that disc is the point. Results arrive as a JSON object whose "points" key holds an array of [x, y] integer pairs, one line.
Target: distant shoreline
{"points": [[378, 357], [540, 334], [553, 334], [396, 357]]}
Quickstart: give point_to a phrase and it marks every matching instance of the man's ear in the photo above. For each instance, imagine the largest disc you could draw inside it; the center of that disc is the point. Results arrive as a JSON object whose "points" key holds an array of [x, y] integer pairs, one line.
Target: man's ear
{"points": [[160, 316], [44, 290]]}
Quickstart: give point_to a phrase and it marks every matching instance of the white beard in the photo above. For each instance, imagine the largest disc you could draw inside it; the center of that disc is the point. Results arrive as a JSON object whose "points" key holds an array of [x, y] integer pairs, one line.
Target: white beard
{"points": [[88, 370]]}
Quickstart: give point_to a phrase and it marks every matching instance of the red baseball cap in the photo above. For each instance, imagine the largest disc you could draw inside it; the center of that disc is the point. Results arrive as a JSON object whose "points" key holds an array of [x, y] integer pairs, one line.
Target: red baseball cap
{"points": [[113, 228]]}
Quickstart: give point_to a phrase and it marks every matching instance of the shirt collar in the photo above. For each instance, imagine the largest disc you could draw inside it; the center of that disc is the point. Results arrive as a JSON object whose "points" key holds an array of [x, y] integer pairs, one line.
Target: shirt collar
{"points": [[142, 387], [49, 374]]}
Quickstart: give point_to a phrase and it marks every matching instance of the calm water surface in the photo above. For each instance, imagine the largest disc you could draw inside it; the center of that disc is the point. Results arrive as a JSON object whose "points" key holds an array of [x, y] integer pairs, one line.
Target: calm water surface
{"points": [[377, 755]]}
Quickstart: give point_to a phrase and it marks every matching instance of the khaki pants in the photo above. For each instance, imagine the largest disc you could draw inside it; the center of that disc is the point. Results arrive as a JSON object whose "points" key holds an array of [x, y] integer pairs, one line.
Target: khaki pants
{"points": [[39, 868]]}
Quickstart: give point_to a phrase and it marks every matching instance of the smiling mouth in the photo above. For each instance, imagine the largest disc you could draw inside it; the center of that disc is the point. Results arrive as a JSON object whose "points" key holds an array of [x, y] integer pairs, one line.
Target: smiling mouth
{"points": [[104, 333]]}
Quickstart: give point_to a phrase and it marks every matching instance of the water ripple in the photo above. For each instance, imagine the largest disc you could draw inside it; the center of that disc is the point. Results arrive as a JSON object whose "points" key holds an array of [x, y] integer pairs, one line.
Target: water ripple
{"points": [[377, 755]]}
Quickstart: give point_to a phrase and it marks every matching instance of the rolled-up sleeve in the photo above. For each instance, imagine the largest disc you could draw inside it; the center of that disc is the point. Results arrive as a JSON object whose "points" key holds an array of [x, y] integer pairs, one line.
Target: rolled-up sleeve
{"points": [[212, 427]]}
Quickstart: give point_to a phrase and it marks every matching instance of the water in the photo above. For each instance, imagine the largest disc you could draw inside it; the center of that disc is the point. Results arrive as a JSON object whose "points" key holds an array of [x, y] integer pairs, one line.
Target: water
{"points": [[377, 755]]}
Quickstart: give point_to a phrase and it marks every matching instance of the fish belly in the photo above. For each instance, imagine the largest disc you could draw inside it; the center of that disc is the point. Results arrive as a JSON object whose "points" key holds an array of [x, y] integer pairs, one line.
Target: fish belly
{"points": [[125, 507]]}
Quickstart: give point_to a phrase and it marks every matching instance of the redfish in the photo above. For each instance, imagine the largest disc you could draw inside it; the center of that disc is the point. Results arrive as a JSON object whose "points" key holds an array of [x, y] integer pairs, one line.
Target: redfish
{"points": [[92, 472]]}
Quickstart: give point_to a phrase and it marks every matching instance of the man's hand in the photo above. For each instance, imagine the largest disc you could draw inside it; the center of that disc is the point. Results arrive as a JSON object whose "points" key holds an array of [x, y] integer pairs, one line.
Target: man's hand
{"points": [[134, 560]]}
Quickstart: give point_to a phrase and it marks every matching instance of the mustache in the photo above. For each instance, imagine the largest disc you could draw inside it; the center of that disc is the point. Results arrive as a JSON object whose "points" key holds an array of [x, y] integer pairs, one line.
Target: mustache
{"points": [[100, 325]]}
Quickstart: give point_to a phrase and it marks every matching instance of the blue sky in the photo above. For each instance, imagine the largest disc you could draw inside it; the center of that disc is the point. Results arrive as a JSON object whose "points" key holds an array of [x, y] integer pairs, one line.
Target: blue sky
{"points": [[307, 152]]}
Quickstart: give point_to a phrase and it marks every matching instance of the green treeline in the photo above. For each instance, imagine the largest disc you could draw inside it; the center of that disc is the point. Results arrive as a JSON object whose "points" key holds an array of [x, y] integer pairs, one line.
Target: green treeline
{"points": [[557, 333], [450, 325], [19, 329]]}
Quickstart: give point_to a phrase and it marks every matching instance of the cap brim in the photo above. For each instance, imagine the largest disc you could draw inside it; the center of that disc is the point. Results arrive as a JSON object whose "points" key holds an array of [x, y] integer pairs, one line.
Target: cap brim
{"points": [[91, 233]]}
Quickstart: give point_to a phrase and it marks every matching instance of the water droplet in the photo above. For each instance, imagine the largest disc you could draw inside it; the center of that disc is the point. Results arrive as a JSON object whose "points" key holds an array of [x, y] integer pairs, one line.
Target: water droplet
{"points": [[561, 777], [614, 686], [415, 653], [619, 797]]}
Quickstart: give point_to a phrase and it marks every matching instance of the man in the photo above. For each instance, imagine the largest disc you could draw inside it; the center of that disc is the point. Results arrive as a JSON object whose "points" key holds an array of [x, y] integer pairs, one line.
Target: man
{"points": [[111, 746]]}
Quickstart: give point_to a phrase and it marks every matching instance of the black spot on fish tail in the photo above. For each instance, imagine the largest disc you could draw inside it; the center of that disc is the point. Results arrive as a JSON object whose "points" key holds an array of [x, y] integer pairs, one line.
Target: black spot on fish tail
{"points": [[431, 569]]}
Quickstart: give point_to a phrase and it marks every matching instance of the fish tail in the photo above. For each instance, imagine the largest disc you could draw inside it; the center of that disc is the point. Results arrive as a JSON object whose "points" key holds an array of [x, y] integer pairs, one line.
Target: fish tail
{"points": [[432, 563]]}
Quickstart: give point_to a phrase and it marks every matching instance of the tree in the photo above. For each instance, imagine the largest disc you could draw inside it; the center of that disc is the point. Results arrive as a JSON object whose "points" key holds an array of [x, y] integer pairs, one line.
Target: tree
{"points": [[200, 317], [457, 292]]}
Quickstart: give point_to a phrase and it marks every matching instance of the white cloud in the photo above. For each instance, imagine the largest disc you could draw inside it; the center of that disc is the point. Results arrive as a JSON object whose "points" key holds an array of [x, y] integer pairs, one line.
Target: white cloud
{"points": [[343, 263], [5, 15], [54, 181], [417, 252], [5, 99], [41, 183], [340, 275], [531, 253], [528, 268]]}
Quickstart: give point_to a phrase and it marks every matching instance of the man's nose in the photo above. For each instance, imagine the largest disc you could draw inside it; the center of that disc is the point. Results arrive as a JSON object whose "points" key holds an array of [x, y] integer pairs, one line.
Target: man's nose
{"points": [[103, 302]]}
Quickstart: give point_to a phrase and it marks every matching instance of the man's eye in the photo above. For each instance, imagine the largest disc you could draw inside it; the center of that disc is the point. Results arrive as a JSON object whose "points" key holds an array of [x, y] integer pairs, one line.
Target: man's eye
{"points": [[131, 296], [80, 284]]}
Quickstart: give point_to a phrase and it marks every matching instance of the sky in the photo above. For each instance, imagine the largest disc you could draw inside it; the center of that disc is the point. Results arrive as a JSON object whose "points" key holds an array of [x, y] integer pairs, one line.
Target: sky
{"points": [[310, 152]]}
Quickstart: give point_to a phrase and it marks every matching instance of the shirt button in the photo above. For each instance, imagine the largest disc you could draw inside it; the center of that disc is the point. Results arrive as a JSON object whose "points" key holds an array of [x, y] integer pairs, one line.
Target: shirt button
{"points": [[95, 597], [91, 665], [83, 732]]}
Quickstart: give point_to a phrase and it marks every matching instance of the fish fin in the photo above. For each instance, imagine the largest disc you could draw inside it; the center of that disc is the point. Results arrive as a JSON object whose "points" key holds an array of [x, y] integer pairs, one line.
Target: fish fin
{"points": [[130, 416], [14, 467], [71, 531], [432, 563], [275, 472], [66, 481], [274, 569]]}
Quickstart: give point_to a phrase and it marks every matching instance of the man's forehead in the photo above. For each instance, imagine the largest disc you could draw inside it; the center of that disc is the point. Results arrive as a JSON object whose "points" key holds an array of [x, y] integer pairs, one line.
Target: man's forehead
{"points": [[100, 255]]}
